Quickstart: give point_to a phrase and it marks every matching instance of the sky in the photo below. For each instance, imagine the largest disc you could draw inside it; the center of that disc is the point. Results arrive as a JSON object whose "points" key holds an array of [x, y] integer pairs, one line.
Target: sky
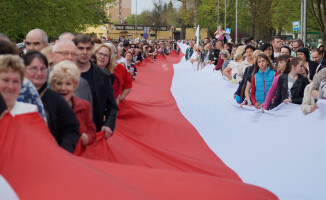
{"points": [[146, 5]]}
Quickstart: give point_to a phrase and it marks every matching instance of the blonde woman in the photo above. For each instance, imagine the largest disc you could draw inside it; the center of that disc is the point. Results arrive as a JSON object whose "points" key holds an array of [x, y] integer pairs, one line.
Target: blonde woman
{"points": [[64, 79], [120, 78]]}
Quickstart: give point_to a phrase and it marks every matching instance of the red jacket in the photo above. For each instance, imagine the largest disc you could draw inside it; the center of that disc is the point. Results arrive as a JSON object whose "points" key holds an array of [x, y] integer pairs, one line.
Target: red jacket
{"points": [[82, 110], [124, 76]]}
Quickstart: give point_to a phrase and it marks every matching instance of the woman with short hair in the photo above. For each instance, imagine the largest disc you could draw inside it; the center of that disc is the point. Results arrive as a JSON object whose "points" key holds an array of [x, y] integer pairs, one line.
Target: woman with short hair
{"points": [[62, 121], [12, 70], [64, 79]]}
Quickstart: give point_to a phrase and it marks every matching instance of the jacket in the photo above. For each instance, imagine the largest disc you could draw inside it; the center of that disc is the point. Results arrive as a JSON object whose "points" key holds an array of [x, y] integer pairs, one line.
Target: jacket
{"points": [[312, 69], [62, 121], [214, 55], [189, 52], [104, 104], [243, 83], [261, 82], [297, 90], [82, 110], [308, 100]]}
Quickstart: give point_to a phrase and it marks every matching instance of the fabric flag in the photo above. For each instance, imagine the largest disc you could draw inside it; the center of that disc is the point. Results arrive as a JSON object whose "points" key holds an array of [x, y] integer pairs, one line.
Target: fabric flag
{"points": [[197, 36], [282, 150], [155, 153]]}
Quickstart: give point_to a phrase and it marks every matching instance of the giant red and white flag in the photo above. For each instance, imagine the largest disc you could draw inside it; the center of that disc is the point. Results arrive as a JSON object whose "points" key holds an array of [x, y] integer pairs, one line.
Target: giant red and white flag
{"points": [[159, 148]]}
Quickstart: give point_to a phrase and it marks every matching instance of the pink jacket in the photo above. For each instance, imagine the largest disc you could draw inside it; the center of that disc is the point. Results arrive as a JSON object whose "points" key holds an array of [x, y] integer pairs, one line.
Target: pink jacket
{"points": [[271, 92]]}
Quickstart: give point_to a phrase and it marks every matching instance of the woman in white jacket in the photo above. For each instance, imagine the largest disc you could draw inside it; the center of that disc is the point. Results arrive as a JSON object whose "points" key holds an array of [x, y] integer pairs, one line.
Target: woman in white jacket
{"points": [[311, 93]]}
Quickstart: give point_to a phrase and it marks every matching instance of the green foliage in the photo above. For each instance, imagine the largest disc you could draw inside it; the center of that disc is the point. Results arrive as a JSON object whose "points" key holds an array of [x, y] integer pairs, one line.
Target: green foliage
{"points": [[284, 13], [54, 17], [207, 15]]}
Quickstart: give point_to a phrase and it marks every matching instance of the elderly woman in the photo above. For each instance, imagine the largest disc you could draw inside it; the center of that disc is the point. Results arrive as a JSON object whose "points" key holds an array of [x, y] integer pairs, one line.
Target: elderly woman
{"points": [[11, 77], [64, 79], [119, 71], [62, 121]]}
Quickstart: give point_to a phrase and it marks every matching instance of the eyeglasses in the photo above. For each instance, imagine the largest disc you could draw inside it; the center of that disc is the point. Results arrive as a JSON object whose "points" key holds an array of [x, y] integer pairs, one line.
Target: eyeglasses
{"points": [[34, 70], [104, 55], [65, 53]]}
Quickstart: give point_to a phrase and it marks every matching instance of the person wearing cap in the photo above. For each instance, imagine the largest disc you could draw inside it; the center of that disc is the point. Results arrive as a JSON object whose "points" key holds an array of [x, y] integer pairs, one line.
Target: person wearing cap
{"points": [[311, 66]]}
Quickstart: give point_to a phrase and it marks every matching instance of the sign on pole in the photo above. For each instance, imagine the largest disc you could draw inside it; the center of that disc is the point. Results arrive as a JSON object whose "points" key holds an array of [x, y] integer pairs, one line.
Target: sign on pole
{"points": [[296, 26], [228, 31]]}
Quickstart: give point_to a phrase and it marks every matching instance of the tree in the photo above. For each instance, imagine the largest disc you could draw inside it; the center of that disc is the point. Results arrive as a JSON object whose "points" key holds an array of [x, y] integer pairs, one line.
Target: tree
{"points": [[318, 11], [54, 17], [284, 13]]}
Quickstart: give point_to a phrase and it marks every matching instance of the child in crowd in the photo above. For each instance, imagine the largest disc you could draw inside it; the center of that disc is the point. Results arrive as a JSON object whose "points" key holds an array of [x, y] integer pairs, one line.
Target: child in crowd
{"points": [[131, 65], [290, 86], [219, 33], [248, 78], [281, 68], [262, 80], [233, 66]]}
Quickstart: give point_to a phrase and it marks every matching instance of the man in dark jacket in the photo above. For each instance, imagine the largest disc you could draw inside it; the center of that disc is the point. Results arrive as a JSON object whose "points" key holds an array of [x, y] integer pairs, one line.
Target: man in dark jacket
{"points": [[104, 105]]}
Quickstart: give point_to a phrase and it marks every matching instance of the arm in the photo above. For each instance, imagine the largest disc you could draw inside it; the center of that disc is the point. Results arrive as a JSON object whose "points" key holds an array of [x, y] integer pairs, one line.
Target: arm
{"points": [[253, 90], [90, 126], [271, 92], [308, 104], [111, 109], [124, 93], [226, 72], [69, 126], [241, 84], [247, 93], [278, 96]]}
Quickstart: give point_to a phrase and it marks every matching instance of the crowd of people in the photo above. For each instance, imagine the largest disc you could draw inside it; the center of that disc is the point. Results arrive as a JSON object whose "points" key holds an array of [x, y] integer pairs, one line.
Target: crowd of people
{"points": [[267, 73], [75, 83]]}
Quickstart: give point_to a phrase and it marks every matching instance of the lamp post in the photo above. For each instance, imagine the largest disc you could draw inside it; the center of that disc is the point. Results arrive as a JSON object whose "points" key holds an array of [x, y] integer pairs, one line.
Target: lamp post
{"points": [[136, 22], [218, 13], [225, 14], [236, 21]]}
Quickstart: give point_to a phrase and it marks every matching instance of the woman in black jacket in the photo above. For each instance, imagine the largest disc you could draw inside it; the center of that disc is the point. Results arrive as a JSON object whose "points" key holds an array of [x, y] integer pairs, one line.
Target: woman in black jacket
{"points": [[290, 86], [62, 122], [303, 53]]}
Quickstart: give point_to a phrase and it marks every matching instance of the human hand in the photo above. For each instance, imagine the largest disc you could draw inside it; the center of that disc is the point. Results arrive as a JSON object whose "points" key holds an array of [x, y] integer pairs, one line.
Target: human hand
{"points": [[107, 131], [313, 108], [262, 109], [257, 106], [84, 138], [287, 101]]}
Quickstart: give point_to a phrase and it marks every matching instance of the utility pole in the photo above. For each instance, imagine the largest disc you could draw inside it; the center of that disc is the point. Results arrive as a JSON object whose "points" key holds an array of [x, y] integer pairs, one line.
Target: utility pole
{"points": [[236, 21], [218, 13], [225, 14], [301, 23], [136, 22], [304, 23]]}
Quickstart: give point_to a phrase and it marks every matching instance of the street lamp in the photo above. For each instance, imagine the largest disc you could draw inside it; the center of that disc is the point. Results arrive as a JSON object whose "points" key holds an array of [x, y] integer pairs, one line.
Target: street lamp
{"points": [[136, 22]]}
